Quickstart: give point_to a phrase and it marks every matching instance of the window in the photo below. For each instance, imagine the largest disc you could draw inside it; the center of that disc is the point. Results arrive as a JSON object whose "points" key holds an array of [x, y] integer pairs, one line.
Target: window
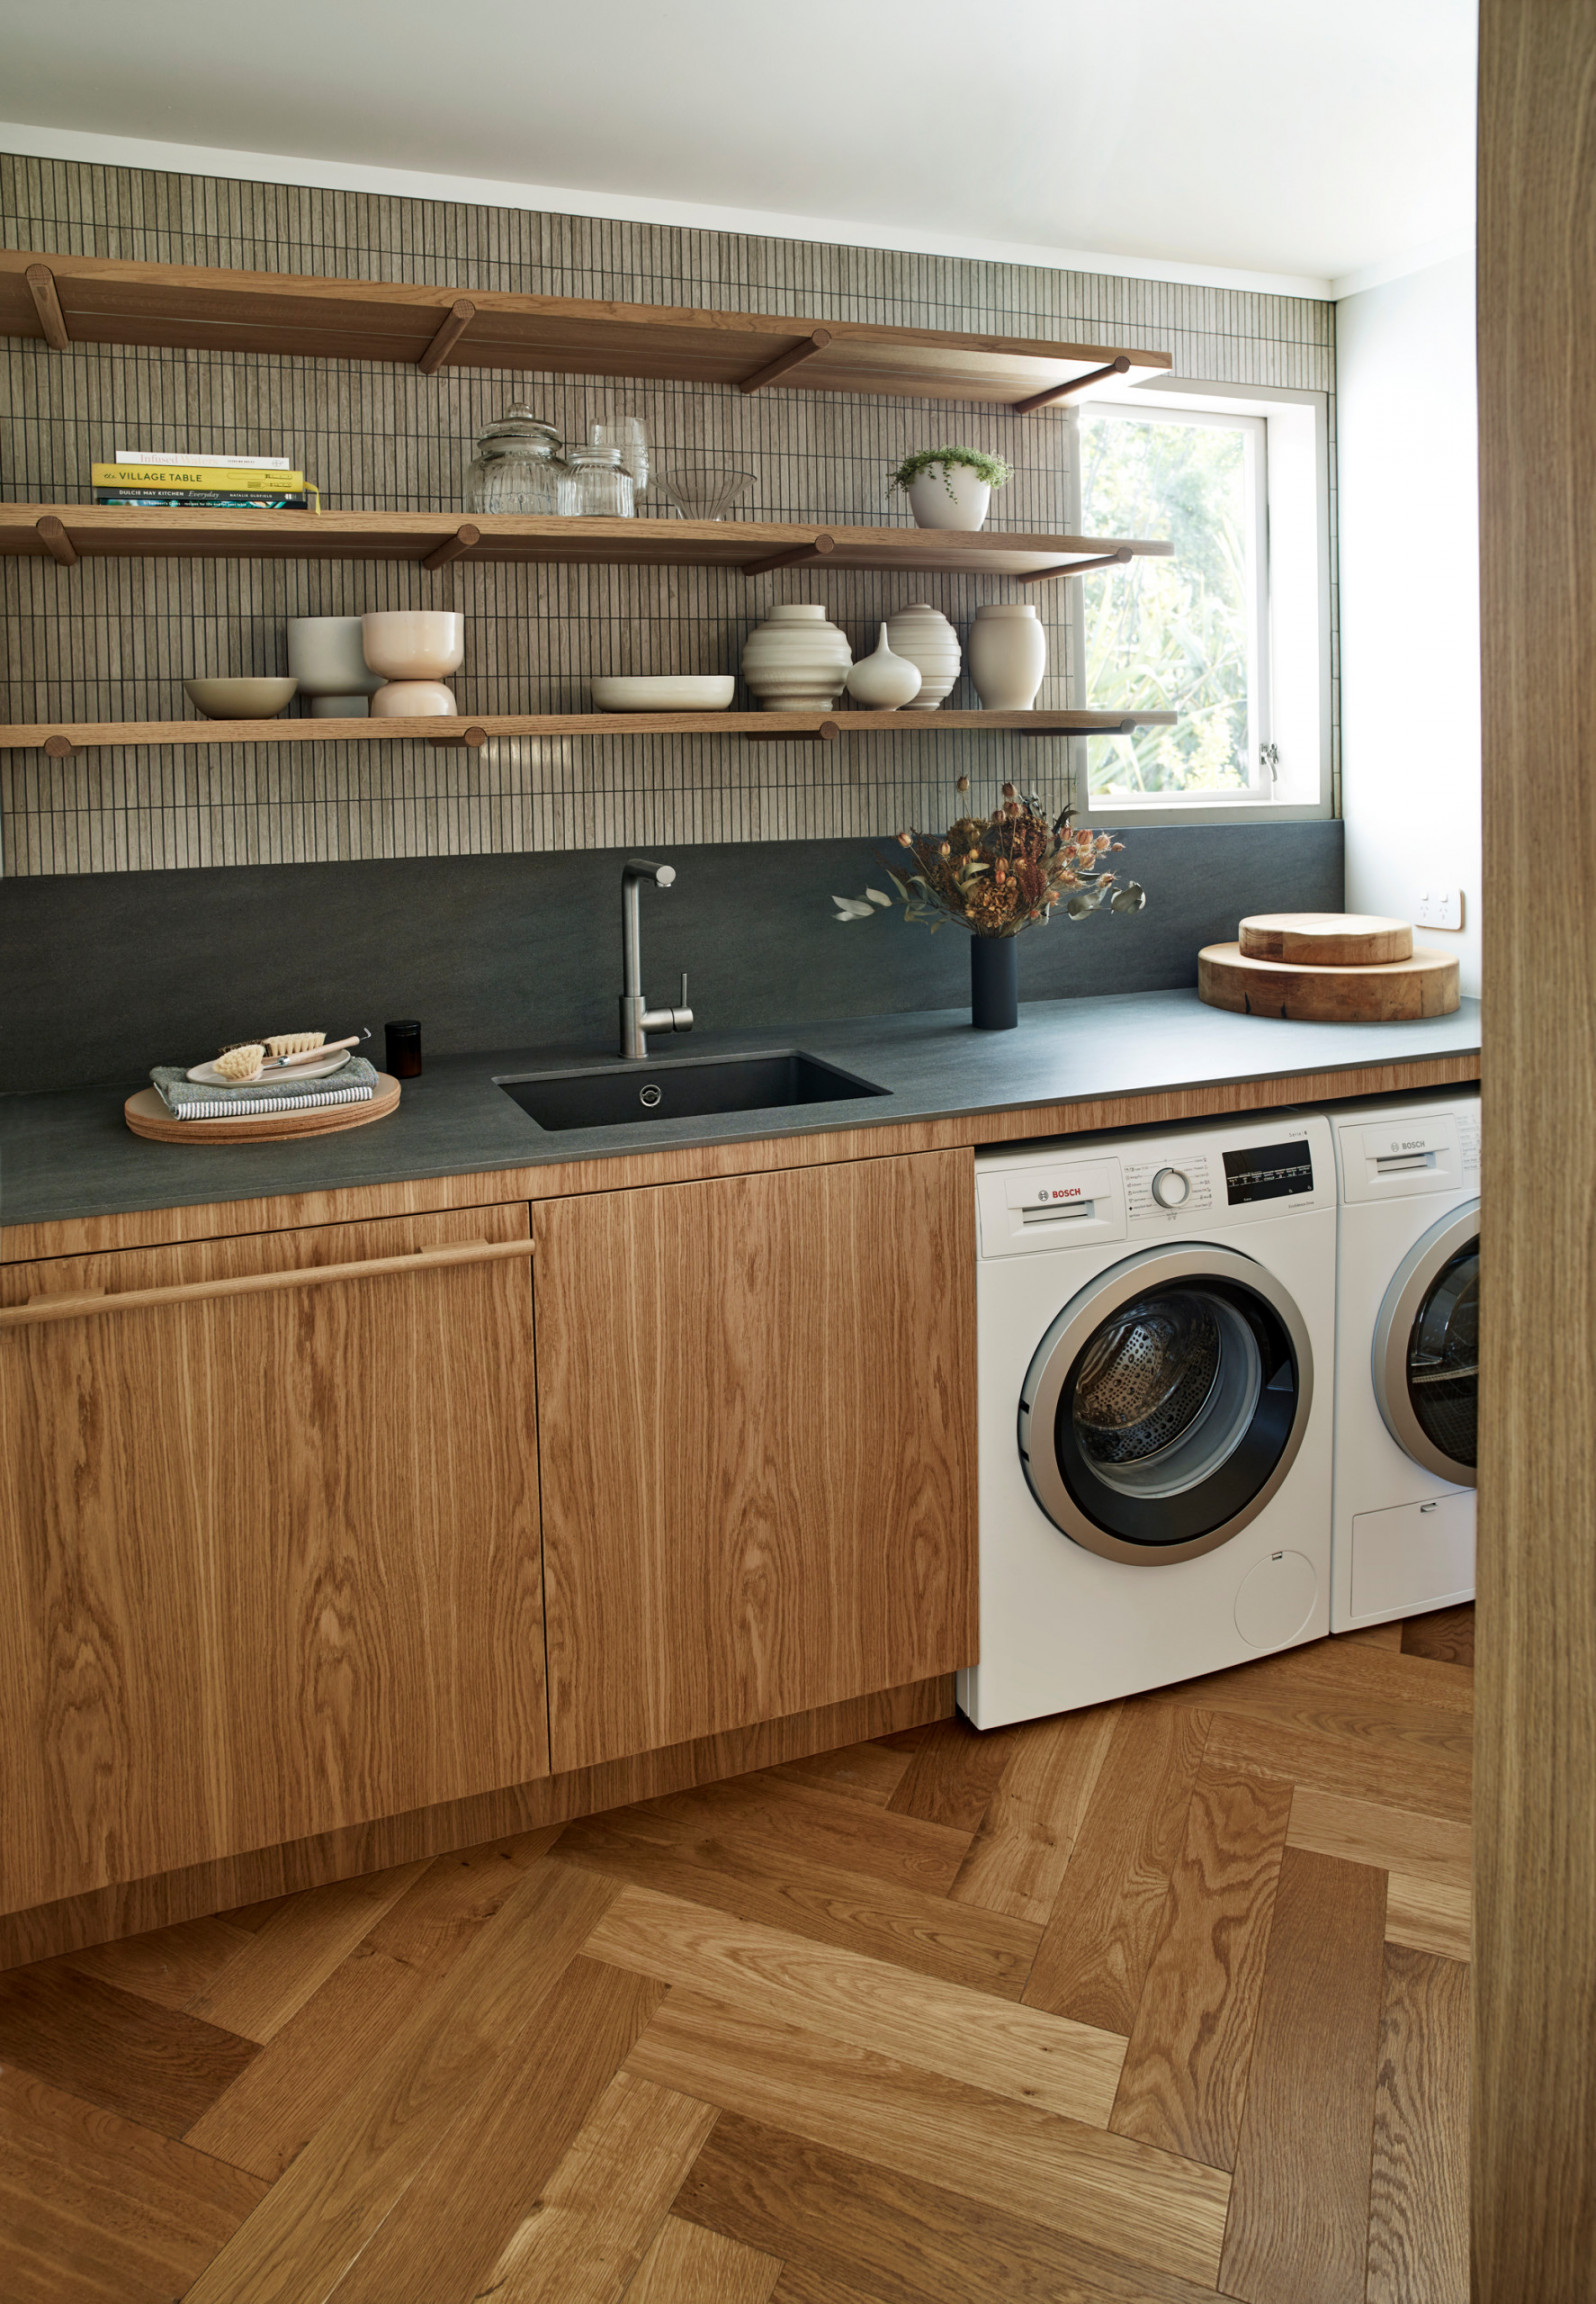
{"points": [[1231, 632]]}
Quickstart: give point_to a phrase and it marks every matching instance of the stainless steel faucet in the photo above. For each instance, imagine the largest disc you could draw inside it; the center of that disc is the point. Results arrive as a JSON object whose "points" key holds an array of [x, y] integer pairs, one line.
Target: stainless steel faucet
{"points": [[638, 1019]]}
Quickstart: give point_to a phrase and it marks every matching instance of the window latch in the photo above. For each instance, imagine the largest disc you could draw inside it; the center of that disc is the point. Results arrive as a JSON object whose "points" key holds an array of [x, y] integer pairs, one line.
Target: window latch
{"points": [[1269, 757]]}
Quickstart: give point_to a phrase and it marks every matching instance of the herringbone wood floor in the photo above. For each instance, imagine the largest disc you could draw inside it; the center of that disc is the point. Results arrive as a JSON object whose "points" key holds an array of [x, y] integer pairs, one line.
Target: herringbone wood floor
{"points": [[1140, 2004]]}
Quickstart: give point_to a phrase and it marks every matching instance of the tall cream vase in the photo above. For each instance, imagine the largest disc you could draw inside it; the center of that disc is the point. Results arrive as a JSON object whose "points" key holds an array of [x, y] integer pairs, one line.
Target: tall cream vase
{"points": [[1007, 657], [797, 660]]}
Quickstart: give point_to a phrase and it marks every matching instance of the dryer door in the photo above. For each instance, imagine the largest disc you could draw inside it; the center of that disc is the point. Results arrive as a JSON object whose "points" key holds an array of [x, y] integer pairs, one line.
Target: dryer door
{"points": [[1166, 1403], [1427, 1348]]}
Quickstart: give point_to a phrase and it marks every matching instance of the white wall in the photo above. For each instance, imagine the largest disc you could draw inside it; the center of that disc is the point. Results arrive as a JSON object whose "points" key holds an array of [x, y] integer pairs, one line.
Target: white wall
{"points": [[1410, 620]]}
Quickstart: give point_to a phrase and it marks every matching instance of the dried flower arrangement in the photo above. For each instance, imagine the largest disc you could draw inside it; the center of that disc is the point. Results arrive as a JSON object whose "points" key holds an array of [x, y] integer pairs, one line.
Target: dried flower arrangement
{"points": [[1000, 874]]}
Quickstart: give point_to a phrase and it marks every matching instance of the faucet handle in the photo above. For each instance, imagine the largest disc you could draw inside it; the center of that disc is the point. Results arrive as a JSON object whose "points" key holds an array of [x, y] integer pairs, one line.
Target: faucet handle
{"points": [[683, 1001], [682, 1017]]}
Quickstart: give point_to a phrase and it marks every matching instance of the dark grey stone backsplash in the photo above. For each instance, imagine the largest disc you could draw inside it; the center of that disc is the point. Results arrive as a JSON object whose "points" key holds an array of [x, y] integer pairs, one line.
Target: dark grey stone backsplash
{"points": [[102, 975]]}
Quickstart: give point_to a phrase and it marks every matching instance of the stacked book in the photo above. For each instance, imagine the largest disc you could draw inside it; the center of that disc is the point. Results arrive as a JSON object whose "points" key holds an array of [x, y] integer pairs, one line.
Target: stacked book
{"points": [[204, 483]]}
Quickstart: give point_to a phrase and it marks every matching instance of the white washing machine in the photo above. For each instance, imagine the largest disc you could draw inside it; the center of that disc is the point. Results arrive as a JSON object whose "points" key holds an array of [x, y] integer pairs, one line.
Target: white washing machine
{"points": [[1156, 1325], [1407, 1355]]}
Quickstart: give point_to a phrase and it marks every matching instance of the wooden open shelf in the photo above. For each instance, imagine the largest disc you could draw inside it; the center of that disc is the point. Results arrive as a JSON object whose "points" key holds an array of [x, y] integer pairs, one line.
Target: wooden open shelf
{"points": [[70, 532], [61, 738], [99, 300]]}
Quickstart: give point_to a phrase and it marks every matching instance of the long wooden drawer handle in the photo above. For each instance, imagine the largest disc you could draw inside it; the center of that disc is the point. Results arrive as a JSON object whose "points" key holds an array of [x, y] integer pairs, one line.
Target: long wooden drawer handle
{"points": [[83, 1307]]}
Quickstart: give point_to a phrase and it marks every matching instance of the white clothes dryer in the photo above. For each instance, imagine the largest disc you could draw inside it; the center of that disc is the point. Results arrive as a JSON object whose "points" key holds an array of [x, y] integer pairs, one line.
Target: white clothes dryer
{"points": [[1407, 1355], [1155, 1322]]}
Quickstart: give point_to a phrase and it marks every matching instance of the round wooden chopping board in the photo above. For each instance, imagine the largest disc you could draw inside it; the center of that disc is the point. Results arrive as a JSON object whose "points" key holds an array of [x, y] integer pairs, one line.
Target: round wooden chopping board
{"points": [[1326, 939], [1397, 992], [147, 1115]]}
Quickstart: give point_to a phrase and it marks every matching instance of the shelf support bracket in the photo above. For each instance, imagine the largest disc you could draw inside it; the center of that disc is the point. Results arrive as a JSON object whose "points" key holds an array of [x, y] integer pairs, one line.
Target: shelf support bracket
{"points": [[815, 341], [465, 539], [826, 733], [47, 303], [60, 747], [56, 541], [471, 738], [456, 321], [800, 556], [1120, 559], [1056, 392]]}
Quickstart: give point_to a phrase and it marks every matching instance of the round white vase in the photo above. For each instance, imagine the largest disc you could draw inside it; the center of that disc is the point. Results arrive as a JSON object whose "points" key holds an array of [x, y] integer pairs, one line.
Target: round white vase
{"points": [[797, 660], [1008, 656], [413, 643], [883, 682], [326, 657], [934, 506], [923, 636], [414, 700]]}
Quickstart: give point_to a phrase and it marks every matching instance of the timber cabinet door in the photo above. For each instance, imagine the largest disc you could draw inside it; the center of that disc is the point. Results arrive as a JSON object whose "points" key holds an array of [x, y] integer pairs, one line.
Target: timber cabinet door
{"points": [[756, 1401], [268, 1542]]}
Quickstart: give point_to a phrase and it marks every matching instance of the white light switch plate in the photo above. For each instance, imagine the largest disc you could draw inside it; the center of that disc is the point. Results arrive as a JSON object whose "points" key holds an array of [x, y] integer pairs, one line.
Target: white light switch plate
{"points": [[1439, 908]]}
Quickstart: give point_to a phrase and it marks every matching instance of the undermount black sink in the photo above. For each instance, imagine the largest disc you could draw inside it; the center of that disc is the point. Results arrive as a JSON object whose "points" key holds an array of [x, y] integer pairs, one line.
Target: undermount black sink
{"points": [[684, 1088]]}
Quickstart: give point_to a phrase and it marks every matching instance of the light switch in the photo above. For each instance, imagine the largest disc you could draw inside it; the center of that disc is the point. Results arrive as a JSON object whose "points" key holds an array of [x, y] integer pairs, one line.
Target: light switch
{"points": [[1439, 908]]}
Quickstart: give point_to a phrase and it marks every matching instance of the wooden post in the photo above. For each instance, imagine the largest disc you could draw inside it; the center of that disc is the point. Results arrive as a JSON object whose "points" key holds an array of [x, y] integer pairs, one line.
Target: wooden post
{"points": [[797, 557], [1076, 384], [471, 738], [815, 341], [465, 539], [56, 541], [458, 319], [47, 303], [60, 747], [1534, 2095], [1120, 559]]}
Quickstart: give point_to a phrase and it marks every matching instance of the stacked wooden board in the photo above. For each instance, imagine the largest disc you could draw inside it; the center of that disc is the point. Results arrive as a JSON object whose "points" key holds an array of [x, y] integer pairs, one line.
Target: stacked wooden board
{"points": [[1327, 968]]}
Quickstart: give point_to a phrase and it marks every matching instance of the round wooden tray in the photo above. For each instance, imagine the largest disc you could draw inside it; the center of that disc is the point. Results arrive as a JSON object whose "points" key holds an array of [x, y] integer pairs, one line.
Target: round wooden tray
{"points": [[1400, 992], [146, 1114], [1326, 939]]}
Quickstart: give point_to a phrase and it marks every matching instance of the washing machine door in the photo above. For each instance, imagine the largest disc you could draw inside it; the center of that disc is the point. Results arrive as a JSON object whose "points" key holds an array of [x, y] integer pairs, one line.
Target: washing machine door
{"points": [[1427, 1348], [1166, 1404]]}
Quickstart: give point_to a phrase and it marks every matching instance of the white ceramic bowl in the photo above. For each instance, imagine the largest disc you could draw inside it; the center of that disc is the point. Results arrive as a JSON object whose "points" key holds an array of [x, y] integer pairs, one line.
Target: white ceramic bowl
{"points": [[240, 699], [667, 692], [326, 656], [414, 700], [413, 643]]}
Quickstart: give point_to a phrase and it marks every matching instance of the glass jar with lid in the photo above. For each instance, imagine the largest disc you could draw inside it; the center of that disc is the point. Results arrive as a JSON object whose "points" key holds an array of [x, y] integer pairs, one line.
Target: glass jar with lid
{"points": [[594, 485], [516, 467]]}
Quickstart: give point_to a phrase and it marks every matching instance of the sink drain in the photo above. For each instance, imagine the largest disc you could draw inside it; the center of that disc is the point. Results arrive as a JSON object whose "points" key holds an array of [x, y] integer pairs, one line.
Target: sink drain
{"points": [[651, 1095]]}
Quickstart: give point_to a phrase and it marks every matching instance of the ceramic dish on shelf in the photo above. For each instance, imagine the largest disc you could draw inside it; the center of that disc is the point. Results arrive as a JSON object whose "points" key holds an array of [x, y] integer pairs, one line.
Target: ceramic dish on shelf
{"points": [[665, 692], [207, 1076], [240, 699]]}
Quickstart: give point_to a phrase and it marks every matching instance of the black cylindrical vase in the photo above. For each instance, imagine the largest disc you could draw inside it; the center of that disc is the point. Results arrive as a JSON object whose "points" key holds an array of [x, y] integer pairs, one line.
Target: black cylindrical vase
{"points": [[994, 984]]}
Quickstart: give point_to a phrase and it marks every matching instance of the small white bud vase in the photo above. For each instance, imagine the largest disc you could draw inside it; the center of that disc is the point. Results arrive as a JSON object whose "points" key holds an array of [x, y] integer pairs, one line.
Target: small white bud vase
{"points": [[797, 660], [1008, 656], [883, 682], [923, 636], [949, 496]]}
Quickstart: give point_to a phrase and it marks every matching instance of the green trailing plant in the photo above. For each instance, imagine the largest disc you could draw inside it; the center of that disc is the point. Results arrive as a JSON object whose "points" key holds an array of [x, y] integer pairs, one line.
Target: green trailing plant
{"points": [[992, 469], [998, 875]]}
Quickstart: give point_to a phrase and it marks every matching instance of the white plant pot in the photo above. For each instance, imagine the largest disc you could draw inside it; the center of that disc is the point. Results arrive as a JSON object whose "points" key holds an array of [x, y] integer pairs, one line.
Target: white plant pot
{"points": [[414, 700], [934, 507], [923, 636], [326, 657], [797, 660], [883, 682], [413, 643], [1008, 656]]}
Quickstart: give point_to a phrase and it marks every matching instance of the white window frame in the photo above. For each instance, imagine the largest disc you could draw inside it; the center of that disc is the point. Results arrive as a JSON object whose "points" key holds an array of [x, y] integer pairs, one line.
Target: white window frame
{"points": [[1292, 709]]}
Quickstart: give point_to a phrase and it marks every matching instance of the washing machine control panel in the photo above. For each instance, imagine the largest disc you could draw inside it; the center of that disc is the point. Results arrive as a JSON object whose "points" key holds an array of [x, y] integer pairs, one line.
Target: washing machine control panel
{"points": [[1157, 1185]]}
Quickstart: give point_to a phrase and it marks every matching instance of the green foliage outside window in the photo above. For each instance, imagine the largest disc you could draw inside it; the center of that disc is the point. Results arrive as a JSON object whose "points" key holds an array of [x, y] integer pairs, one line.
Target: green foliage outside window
{"points": [[1168, 635]]}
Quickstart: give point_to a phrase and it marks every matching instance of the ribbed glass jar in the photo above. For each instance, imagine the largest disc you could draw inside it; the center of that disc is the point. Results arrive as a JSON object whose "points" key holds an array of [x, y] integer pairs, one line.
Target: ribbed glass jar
{"points": [[593, 485], [516, 467]]}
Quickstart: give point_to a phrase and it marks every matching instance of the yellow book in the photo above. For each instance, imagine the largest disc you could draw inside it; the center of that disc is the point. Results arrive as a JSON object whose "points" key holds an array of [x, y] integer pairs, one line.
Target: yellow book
{"points": [[215, 479]]}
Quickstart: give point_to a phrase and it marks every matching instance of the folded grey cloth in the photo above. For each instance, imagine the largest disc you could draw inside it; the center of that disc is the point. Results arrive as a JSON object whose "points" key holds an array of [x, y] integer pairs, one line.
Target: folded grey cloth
{"points": [[354, 1083]]}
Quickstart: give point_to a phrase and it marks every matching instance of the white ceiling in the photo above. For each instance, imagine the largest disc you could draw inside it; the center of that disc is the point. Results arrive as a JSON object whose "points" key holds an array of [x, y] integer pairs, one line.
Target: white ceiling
{"points": [[1280, 137]]}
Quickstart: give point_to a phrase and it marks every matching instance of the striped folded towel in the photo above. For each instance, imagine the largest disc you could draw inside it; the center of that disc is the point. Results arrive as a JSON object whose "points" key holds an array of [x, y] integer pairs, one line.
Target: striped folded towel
{"points": [[185, 1099]]}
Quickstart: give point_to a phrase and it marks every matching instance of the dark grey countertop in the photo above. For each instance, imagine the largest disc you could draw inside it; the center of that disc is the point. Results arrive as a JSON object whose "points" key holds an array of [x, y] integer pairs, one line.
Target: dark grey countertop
{"points": [[69, 1154]]}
